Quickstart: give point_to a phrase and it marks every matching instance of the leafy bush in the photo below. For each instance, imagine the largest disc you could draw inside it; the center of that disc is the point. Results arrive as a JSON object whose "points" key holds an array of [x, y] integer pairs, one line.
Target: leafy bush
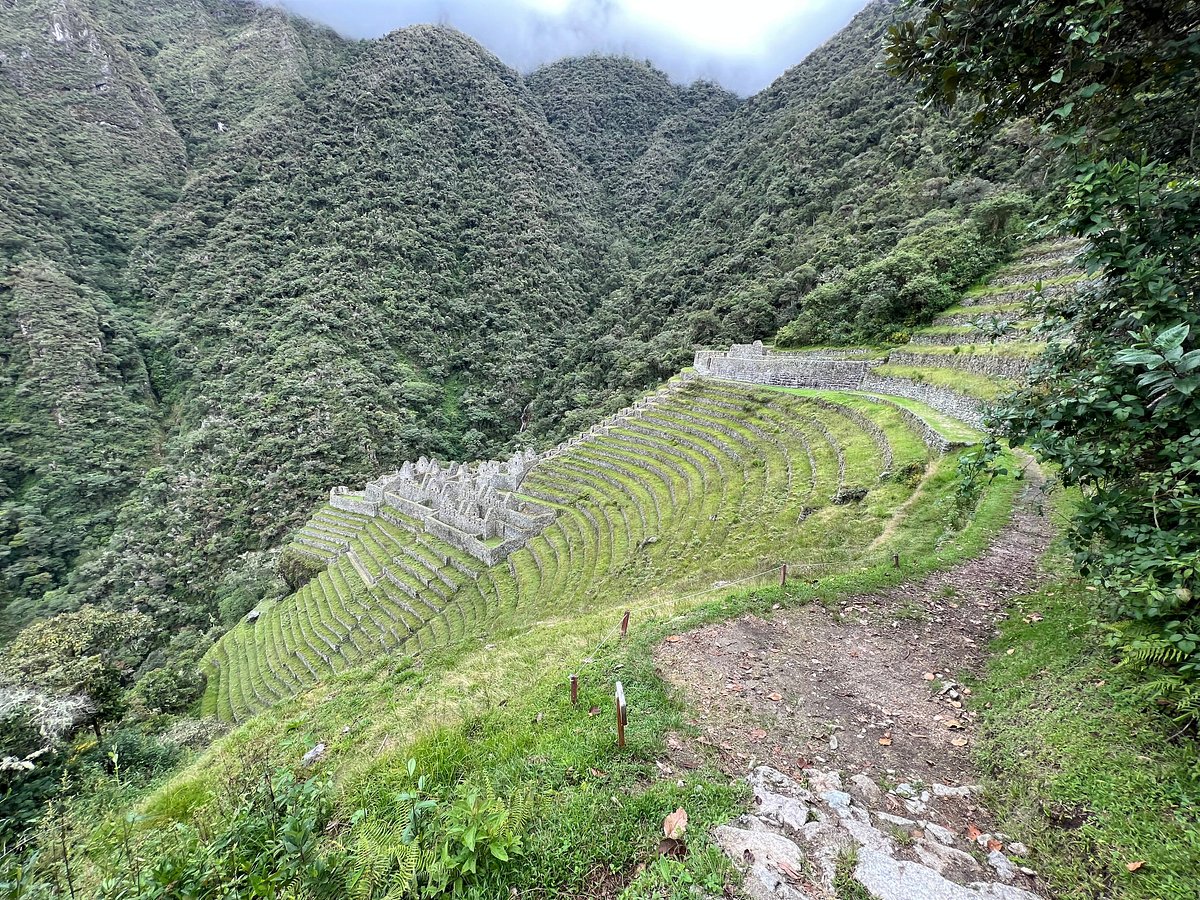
{"points": [[416, 842], [135, 753], [171, 688], [269, 843], [29, 770], [906, 288], [1113, 403]]}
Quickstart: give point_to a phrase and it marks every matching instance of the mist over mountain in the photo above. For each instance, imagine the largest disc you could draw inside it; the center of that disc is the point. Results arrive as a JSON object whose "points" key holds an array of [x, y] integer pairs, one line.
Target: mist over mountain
{"points": [[526, 36]]}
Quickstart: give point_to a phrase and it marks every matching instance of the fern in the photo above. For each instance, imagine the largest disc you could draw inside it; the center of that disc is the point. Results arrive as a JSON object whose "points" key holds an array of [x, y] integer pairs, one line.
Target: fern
{"points": [[1151, 652], [383, 865]]}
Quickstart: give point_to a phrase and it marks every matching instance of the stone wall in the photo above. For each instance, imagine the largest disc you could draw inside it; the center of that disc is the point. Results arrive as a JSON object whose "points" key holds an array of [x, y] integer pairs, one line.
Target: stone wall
{"points": [[993, 365], [753, 364], [959, 406], [344, 498]]}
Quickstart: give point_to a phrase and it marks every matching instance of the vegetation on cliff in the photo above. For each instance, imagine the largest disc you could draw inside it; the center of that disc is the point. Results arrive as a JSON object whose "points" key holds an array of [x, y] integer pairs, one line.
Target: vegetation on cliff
{"points": [[243, 260]]}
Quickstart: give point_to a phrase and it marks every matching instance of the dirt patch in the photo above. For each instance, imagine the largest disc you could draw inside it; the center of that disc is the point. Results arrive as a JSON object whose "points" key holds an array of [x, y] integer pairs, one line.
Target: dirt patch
{"points": [[874, 686]]}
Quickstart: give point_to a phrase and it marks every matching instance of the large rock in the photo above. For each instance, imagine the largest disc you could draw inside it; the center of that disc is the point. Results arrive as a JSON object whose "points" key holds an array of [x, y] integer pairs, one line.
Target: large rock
{"points": [[892, 879], [948, 861], [866, 791], [768, 858], [787, 812], [778, 798]]}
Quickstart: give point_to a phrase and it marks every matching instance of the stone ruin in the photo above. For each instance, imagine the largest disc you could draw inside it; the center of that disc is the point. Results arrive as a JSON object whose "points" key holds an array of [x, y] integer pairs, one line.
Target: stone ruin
{"points": [[833, 370], [755, 364], [472, 506]]}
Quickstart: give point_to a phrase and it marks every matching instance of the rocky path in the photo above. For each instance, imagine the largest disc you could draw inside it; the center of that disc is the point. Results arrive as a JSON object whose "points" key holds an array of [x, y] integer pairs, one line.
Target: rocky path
{"points": [[855, 728]]}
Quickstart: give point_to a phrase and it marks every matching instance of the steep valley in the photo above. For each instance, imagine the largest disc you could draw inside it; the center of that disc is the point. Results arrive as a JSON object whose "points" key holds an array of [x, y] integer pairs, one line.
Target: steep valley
{"points": [[422, 478]]}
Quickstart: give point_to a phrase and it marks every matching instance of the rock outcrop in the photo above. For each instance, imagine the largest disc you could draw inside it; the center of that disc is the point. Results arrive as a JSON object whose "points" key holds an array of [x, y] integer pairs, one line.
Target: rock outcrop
{"points": [[804, 842]]}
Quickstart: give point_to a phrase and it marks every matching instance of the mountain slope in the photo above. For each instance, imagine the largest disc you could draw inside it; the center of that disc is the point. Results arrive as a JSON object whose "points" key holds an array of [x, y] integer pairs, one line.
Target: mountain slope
{"points": [[373, 274], [630, 127], [824, 171], [349, 255], [99, 104]]}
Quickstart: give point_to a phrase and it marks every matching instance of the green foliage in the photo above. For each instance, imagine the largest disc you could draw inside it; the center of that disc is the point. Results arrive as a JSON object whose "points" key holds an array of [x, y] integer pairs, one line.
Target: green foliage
{"points": [[268, 843], [1120, 76], [1113, 404], [482, 834], [1084, 766], [976, 469], [705, 869], [88, 652], [923, 276], [29, 773], [296, 570]]}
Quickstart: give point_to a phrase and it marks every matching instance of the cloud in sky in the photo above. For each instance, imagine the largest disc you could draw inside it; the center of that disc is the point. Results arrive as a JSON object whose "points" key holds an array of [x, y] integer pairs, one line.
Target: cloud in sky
{"points": [[743, 45]]}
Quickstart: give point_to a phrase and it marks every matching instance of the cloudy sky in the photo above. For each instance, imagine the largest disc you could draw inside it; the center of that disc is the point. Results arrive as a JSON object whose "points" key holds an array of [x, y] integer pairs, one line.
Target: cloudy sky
{"points": [[743, 44]]}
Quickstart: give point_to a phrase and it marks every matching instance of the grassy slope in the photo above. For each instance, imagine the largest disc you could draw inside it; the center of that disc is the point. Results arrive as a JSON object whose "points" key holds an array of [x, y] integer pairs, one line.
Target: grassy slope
{"points": [[964, 382], [1077, 764], [737, 518], [502, 709]]}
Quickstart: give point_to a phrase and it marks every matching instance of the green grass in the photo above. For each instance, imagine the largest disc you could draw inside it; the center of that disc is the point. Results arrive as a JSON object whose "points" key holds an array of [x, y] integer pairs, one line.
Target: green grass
{"points": [[988, 290], [981, 349], [984, 309], [978, 386], [967, 330], [710, 483], [844, 884], [386, 703], [1080, 770], [501, 710], [947, 426]]}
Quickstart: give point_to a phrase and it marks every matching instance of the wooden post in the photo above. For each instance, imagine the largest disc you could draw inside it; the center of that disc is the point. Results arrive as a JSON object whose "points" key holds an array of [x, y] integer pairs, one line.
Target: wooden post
{"points": [[625, 623], [622, 712], [783, 576], [895, 560], [574, 690]]}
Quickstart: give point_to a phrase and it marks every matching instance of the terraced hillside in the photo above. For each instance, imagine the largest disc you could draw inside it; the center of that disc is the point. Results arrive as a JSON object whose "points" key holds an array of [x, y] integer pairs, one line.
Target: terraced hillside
{"points": [[985, 343], [701, 482], [706, 481]]}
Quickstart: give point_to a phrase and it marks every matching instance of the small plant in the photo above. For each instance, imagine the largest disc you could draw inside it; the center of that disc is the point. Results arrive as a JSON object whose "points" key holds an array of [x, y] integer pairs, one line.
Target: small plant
{"points": [[423, 846], [911, 611], [482, 832], [976, 469], [844, 884]]}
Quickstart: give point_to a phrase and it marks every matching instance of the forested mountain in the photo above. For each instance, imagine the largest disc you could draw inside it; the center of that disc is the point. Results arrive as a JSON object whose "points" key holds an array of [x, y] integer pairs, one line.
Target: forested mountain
{"points": [[630, 129], [101, 104], [245, 260], [825, 171]]}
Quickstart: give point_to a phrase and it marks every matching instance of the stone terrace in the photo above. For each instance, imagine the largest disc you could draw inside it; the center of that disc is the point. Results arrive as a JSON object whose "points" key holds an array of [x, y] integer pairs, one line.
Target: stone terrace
{"points": [[472, 506], [756, 364]]}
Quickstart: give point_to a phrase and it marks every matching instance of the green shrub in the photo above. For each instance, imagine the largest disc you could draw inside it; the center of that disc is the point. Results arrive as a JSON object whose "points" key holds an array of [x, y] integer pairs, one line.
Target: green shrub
{"points": [[169, 689], [907, 288], [294, 568]]}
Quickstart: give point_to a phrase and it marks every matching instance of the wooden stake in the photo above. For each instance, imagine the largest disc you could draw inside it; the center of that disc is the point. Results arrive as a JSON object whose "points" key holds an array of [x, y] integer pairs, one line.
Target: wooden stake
{"points": [[625, 623], [783, 576], [622, 714], [574, 690], [895, 560]]}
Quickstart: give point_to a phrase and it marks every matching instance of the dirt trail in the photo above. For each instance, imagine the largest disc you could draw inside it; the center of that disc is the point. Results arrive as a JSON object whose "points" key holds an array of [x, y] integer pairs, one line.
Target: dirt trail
{"points": [[873, 687]]}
